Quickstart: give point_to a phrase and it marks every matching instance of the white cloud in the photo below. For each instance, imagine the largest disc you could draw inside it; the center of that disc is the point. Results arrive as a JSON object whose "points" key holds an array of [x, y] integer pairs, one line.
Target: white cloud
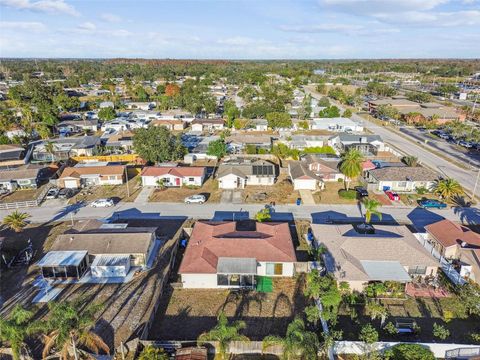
{"points": [[111, 18], [365, 7], [87, 26], [434, 19], [343, 28], [49, 6], [22, 25]]}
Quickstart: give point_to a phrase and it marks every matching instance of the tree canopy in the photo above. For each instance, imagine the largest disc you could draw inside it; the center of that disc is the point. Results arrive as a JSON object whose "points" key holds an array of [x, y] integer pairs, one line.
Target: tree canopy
{"points": [[158, 144]]}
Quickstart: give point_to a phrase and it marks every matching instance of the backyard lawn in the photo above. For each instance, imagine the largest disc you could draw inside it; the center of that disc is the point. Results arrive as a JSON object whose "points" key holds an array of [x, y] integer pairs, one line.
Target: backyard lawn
{"points": [[22, 195], [264, 313], [178, 194]]}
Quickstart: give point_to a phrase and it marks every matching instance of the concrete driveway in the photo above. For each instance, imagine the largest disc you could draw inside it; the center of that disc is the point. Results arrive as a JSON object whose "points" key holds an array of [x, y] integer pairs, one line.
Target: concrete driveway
{"points": [[307, 197], [232, 197]]}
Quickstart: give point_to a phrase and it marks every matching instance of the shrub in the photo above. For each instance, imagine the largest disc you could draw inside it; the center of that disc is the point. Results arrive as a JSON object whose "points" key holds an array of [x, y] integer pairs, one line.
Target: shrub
{"points": [[475, 337], [440, 331], [347, 194], [340, 180], [452, 308], [421, 190], [368, 334], [409, 352], [390, 328]]}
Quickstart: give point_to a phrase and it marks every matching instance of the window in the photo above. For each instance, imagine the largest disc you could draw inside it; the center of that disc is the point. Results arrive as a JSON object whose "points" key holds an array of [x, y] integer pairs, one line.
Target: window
{"points": [[191, 179], [112, 177], [401, 184], [417, 270], [222, 280], [274, 269]]}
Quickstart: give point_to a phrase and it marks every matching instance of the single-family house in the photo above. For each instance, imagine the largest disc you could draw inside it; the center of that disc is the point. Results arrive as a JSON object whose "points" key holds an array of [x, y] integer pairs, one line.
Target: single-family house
{"points": [[301, 176], [401, 179], [107, 250], [457, 242], [75, 126], [259, 125], [219, 254], [119, 124], [238, 143], [64, 148], [324, 166], [24, 177], [357, 257], [91, 175], [338, 124], [173, 176], [241, 172], [122, 140], [106, 104], [172, 125], [140, 105], [199, 125], [368, 145], [300, 142]]}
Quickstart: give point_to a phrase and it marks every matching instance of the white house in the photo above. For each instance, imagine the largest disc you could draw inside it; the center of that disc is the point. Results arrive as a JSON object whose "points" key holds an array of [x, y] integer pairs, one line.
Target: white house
{"points": [[173, 176], [219, 255], [240, 172], [140, 105], [338, 124], [301, 176], [199, 125], [118, 124], [402, 179]]}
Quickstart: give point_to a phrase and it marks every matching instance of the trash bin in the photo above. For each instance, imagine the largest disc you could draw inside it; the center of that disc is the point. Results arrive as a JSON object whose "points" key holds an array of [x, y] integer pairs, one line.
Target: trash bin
{"points": [[299, 201]]}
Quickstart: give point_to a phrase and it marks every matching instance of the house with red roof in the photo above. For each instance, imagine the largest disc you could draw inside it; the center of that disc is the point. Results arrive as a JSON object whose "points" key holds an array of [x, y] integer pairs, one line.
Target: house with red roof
{"points": [[173, 176], [219, 254], [457, 242]]}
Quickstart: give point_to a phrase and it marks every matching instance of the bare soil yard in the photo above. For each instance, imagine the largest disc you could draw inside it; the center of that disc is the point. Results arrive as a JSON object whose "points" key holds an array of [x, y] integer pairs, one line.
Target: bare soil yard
{"points": [[281, 192], [22, 195], [178, 194], [264, 313], [117, 192]]}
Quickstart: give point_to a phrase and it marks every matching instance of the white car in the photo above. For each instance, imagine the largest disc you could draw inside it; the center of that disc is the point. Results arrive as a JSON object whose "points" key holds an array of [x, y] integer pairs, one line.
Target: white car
{"points": [[102, 203], [195, 199]]}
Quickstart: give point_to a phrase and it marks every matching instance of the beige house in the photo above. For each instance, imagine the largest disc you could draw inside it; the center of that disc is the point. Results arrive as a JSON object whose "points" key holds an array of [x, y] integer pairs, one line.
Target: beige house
{"points": [[172, 125], [391, 253], [457, 242], [78, 176]]}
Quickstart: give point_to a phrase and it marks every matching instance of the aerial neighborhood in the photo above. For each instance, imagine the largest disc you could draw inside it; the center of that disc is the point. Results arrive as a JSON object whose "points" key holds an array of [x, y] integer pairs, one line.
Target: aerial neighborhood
{"points": [[201, 209]]}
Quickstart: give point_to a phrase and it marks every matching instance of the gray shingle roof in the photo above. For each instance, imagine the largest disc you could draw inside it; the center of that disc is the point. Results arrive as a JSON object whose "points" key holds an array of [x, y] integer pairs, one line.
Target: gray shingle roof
{"points": [[404, 174]]}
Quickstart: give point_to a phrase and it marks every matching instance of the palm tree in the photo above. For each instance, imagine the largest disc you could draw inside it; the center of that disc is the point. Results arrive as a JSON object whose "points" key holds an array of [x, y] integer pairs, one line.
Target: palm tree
{"points": [[152, 353], [69, 324], [224, 333], [298, 343], [371, 208], [448, 188], [351, 165], [16, 221], [50, 148], [410, 160], [16, 329]]}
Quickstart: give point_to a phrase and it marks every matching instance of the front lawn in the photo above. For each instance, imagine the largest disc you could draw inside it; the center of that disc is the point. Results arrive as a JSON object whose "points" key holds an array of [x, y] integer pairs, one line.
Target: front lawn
{"points": [[178, 194], [281, 192], [330, 194]]}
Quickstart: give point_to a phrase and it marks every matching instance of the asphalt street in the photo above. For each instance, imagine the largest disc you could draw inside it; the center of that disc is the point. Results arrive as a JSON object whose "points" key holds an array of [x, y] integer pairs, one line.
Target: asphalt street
{"points": [[409, 146]]}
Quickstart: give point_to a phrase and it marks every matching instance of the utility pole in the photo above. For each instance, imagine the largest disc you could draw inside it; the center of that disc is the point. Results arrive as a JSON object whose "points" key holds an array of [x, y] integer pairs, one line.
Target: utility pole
{"points": [[126, 179], [476, 184]]}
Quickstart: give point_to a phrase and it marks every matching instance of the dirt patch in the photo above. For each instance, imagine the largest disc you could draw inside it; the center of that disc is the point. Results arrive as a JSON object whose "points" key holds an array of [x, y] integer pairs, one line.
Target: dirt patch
{"points": [[42, 237], [178, 194], [381, 198], [22, 195], [264, 313], [117, 192], [281, 192]]}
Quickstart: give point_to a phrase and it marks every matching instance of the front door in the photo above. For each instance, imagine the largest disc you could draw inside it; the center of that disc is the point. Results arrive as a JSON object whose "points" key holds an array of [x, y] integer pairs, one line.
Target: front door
{"points": [[177, 181]]}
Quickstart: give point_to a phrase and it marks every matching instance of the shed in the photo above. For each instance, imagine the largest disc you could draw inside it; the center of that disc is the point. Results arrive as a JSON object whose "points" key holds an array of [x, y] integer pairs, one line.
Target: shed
{"points": [[110, 266]]}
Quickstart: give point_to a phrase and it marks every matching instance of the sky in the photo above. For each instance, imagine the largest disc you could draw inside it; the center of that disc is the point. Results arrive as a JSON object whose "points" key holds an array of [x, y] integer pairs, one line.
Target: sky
{"points": [[240, 29]]}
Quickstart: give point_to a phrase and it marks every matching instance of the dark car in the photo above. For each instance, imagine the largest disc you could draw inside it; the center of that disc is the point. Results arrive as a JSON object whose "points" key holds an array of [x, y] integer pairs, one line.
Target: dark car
{"points": [[66, 193], [431, 204], [361, 191]]}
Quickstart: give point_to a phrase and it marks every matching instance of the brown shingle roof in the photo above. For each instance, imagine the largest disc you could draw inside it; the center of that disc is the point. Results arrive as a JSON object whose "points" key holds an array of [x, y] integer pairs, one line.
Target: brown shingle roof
{"points": [[93, 170], [447, 233], [211, 240], [180, 171]]}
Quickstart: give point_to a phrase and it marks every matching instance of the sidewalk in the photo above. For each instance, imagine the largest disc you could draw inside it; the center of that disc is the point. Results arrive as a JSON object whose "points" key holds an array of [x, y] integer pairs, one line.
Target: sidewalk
{"points": [[142, 198]]}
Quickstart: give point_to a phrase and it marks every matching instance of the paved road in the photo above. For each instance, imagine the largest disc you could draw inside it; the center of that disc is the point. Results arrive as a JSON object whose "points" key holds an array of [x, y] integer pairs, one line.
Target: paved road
{"points": [[471, 158], [315, 213], [466, 177]]}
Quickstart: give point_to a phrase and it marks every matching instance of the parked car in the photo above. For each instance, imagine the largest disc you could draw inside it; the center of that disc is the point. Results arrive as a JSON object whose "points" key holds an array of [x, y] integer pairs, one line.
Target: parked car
{"points": [[465, 144], [102, 203], [431, 204], [52, 193], [195, 199], [392, 195], [361, 191], [66, 193]]}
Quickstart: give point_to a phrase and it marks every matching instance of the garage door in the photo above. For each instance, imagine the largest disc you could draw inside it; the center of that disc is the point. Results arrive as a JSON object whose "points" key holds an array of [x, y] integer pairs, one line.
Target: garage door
{"points": [[71, 184]]}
